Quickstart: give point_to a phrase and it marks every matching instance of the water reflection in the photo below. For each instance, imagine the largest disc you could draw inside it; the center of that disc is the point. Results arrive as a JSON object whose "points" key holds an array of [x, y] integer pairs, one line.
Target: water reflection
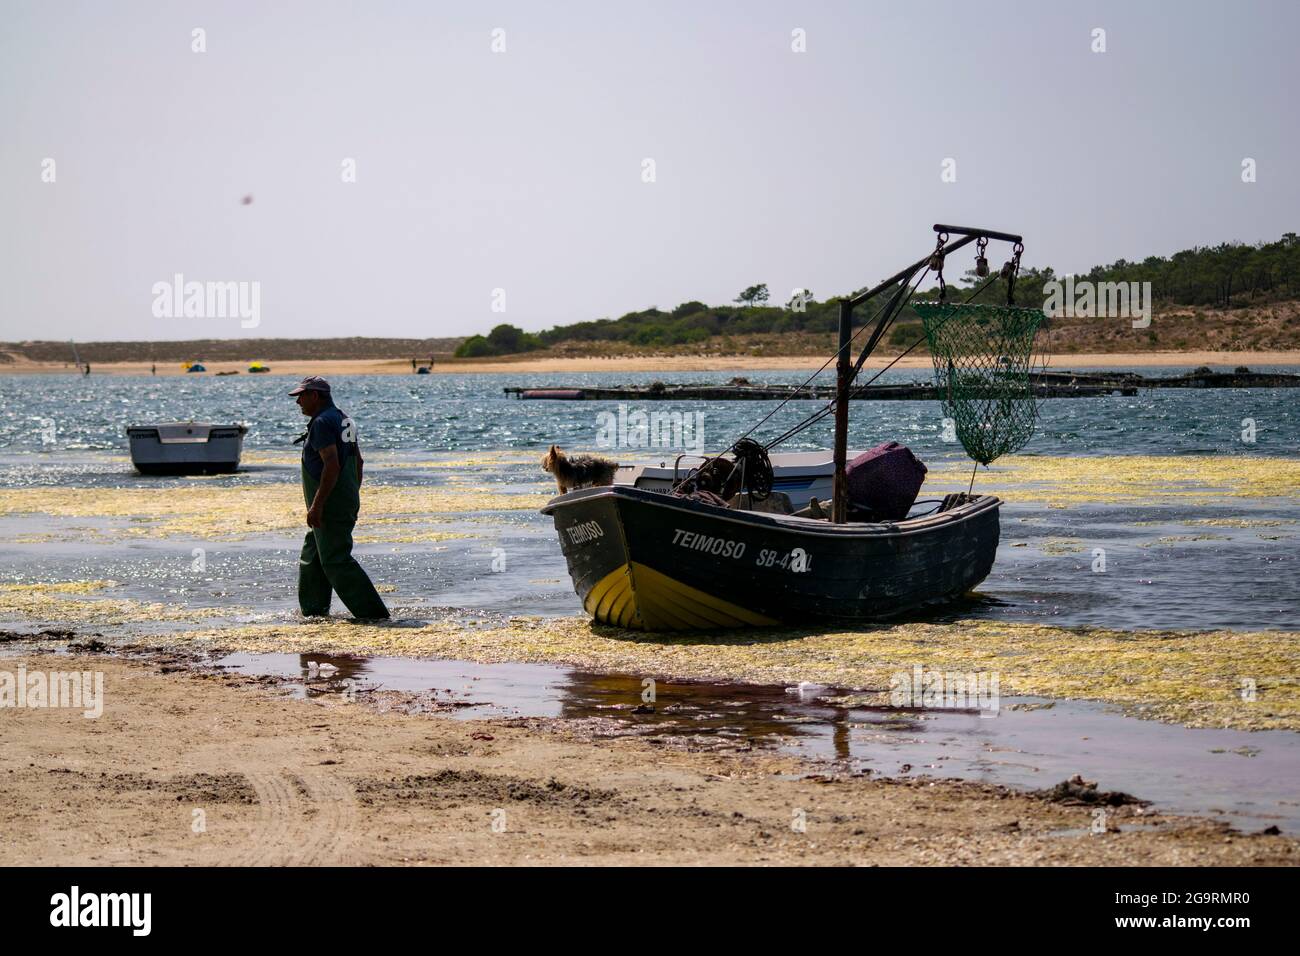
{"points": [[1251, 780]]}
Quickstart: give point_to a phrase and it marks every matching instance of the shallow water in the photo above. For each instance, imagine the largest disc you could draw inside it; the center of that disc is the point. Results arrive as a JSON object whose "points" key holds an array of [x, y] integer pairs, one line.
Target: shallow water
{"points": [[1167, 565], [1251, 780], [433, 413], [1164, 566]]}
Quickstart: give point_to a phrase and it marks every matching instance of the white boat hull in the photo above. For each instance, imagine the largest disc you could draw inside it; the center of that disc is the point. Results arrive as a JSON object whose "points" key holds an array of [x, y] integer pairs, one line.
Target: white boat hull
{"points": [[186, 448], [801, 475]]}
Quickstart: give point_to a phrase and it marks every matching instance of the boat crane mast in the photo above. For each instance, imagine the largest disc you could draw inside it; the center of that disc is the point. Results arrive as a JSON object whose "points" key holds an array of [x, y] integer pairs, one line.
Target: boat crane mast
{"points": [[846, 370]]}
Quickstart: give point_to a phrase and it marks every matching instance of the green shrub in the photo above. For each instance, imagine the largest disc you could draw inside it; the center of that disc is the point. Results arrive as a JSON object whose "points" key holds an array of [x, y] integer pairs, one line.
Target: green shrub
{"points": [[476, 346]]}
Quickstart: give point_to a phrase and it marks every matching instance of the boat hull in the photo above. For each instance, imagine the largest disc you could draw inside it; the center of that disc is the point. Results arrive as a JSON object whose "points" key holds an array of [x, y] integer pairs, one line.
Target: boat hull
{"points": [[650, 561], [186, 448]]}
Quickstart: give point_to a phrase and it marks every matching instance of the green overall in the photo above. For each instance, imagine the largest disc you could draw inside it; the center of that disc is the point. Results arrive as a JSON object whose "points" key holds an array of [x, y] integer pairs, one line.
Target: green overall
{"points": [[326, 563]]}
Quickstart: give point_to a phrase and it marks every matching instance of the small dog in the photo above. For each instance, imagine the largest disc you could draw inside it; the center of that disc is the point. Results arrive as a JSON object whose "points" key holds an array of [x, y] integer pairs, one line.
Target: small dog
{"points": [[580, 471]]}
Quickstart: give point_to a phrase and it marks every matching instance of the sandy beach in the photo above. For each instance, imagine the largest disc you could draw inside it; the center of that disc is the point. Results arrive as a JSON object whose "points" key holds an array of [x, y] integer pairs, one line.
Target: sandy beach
{"points": [[200, 767], [520, 366]]}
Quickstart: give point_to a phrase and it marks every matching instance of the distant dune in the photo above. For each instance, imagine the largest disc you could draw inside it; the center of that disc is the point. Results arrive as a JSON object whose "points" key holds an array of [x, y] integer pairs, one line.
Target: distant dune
{"points": [[230, 350], [1197, 336]]}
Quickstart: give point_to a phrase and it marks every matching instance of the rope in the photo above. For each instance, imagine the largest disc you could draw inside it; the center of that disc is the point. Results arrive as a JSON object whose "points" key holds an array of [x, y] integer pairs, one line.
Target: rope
{"points": [[756, 469], [835, 356], [817, 416], [830, 407], [751, 456]]}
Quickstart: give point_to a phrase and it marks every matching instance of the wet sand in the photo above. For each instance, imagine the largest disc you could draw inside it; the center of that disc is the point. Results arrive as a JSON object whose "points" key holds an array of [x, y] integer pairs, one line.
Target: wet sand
{"points": [[522, 365], [218, 769]]}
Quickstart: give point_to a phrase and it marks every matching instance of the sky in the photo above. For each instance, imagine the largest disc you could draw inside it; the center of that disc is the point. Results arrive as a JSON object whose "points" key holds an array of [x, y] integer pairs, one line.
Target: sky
{"points": [[499, 152]]}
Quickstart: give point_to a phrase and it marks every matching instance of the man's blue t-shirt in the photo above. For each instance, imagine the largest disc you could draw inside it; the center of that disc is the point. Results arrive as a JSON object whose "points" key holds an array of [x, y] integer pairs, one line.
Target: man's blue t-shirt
{"points": [[328, 427]]}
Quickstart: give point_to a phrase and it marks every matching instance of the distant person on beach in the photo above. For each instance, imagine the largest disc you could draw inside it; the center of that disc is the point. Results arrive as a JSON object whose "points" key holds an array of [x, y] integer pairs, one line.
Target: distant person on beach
{"points": [[87, 370], [153, 368], [331, 486], [412, 365]]}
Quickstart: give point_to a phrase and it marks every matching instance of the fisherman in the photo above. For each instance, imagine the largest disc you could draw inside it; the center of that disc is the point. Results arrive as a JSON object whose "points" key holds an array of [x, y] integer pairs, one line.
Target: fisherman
{"points": [[331, 483]]}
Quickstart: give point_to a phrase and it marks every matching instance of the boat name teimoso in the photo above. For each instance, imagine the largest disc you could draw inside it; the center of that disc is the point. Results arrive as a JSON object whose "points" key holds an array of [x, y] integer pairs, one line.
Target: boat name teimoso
{"points": [[702, 542], [587, 531]]}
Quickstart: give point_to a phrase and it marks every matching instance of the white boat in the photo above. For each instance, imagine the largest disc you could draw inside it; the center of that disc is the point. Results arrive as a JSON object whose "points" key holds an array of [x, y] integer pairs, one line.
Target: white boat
{"points": [[186, 448], [802, 475]]}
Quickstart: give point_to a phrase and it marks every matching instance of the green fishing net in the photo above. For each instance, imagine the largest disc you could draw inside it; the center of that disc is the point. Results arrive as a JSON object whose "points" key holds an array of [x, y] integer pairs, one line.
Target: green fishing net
{"points": [[982, 356]]}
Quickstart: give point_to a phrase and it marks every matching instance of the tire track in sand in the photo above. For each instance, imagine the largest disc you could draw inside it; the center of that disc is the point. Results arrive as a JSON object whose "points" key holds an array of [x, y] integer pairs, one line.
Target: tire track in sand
{"points": [[303, 820], [332, 827]]}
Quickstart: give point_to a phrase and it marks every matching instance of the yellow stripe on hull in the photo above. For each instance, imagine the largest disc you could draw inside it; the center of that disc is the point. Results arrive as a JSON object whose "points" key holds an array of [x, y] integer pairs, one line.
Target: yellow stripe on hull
{"points": [[636, 596]]}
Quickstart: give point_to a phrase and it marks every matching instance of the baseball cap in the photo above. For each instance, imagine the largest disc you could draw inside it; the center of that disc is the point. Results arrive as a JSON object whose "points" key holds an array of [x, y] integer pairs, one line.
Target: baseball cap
{"points": [[312, 383]]}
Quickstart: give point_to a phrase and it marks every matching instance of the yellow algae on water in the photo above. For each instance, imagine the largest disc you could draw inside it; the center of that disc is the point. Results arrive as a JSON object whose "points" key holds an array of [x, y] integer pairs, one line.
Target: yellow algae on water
{"points": [[1195, 678], [477, 460], [416, 536], [272, 457], [219, 509], [1182, 539], [1237, 522], [237, 511], [1060, 481], [1056, 546], [202, 510], [78, 602], [1180, 676], [60, 587]]}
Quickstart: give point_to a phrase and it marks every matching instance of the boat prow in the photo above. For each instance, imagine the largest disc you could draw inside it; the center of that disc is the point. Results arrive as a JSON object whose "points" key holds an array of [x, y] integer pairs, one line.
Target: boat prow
{"points": [[650, 561]]}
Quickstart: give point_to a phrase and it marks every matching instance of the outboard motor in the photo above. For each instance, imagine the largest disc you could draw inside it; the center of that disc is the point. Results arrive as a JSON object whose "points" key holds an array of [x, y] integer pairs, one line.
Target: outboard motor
{"points": [[883, 483]]}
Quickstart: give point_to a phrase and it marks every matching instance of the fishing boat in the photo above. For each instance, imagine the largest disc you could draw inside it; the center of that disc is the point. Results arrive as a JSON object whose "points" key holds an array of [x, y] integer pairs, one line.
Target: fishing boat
{"points": [[647, 557], [651, 561], [186, 448]]}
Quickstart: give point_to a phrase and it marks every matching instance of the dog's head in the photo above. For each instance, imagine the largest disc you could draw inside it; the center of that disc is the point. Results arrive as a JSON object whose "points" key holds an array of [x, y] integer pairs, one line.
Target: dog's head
{"points": [[552, 456]]}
